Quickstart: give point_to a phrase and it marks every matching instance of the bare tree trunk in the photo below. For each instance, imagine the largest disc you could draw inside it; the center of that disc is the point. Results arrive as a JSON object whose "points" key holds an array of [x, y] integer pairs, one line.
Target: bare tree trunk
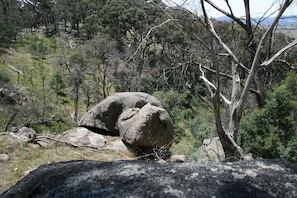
{"points": [[236, 90], [239, 96], [231, 149], [75, 115]]}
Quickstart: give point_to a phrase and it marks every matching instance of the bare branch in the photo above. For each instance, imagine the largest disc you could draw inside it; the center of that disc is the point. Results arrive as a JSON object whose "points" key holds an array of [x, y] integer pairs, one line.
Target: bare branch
{"points": [[210, 85], [147, 35], [207, 82], [212, 70], [255, 65], [230, 15], [180, 25], [229, 51], [280, 52], [15, 69]]}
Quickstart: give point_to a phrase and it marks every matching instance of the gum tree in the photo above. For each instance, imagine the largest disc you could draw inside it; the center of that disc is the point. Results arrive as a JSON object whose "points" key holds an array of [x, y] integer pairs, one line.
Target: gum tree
{"points": [[240, 89]]}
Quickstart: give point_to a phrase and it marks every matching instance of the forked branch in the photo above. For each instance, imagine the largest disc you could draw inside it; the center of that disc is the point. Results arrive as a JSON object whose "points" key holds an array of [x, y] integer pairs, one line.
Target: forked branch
{"points": [[210, 85]]}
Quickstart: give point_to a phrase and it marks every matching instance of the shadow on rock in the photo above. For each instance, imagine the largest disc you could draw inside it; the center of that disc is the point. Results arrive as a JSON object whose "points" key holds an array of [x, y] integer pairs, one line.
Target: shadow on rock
{"points": [[255, 178]]}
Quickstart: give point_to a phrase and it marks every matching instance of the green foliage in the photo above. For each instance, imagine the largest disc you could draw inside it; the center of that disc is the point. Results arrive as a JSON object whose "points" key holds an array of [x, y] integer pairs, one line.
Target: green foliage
{"points": [[57, 83], [178, 106], [57, 126], [186, 144], [78, 65], [4, 77], [11, 21], [289, 152], [91, 26], [270, 132], [192, 120], [39, 47]]}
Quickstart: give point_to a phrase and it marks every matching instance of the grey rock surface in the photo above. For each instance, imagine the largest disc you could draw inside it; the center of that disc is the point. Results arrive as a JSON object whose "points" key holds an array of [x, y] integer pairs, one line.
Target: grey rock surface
{"points": [[83, 137], [25, 134], [103, 117], [4, 157], [254, 178], [210, 150], [148, 127]]}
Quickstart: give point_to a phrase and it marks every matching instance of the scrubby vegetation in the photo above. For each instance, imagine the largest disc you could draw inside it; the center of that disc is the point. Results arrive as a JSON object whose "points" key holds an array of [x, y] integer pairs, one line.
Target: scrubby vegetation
{"points": [[26, 157], [60, 58], [270, 132]]}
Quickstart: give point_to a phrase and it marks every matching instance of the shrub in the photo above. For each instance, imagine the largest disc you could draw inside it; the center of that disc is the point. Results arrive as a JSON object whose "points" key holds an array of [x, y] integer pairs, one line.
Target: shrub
{"points": [[4, 78], [270, 132], [192, 121], [290, 151]]}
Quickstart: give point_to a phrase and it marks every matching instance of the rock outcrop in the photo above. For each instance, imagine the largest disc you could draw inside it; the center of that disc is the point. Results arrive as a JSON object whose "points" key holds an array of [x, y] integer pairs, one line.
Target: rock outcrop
{"points": [[254, 178], [12, 96], [210, 150], [103, 117], [25, 134], [137, 118], [4, 157], [83, 137], [148, 127]]}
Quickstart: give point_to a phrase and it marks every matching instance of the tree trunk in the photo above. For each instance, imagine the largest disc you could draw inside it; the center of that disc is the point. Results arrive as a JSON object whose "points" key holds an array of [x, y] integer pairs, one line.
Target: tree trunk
{"points": [[232, 151], [75, 116]]}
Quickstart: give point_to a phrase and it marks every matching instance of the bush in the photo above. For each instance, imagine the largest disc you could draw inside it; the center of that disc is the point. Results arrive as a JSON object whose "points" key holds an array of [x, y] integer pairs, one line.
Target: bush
{"points": [[290, 151], [192, 121], [270, 132], [4, 78]]}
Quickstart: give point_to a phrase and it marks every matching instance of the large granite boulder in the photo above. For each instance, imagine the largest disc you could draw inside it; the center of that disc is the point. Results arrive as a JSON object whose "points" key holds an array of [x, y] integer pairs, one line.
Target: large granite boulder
{"points": [[149, 127], [103, 117], [255, 178]]}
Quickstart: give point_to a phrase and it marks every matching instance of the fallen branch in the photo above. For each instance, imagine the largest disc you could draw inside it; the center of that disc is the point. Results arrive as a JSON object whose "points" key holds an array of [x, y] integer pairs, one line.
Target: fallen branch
{"points": [[15, 69], [4, 133]]}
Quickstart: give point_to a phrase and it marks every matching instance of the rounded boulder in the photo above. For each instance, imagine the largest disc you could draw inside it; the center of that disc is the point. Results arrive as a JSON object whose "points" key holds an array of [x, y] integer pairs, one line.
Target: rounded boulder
{"points": [[146, 127], [103, 117]]}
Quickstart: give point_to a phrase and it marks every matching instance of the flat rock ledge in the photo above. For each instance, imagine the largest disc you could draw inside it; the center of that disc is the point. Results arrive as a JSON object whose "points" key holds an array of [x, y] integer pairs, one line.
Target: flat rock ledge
{"points": [[253, 178]]}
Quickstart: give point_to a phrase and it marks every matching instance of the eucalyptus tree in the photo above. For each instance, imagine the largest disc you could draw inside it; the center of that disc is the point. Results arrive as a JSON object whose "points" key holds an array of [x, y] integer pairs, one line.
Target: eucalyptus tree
{"points": [[100, 52], [76, 76], [10, 21], [240, 89]]}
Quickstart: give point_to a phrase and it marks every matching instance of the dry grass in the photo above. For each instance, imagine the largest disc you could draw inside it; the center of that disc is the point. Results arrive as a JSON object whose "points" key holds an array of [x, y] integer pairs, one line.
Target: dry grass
{"points": [[25, 157]]}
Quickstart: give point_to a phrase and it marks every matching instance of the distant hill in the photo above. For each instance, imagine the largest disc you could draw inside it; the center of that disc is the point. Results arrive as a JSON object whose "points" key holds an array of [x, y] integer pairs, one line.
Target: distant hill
{"points": [[287, 24], [285, 20]]}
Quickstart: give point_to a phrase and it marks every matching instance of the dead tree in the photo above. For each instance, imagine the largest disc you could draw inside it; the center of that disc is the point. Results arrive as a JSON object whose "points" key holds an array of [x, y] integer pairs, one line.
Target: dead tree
{"points": [[239, 92]]}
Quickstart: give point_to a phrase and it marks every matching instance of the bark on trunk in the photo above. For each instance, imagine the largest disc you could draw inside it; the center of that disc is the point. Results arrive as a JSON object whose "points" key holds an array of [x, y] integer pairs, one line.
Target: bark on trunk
{"points": [[232, 151]]}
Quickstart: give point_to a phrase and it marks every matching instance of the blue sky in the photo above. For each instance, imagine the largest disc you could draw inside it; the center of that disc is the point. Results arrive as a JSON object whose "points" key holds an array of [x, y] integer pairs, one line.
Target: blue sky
{"points": [[258, 7]]}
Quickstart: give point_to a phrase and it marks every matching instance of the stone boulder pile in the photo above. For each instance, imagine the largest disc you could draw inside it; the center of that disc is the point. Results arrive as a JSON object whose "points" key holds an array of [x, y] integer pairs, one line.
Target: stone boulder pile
{"points": [[137, 117]]}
